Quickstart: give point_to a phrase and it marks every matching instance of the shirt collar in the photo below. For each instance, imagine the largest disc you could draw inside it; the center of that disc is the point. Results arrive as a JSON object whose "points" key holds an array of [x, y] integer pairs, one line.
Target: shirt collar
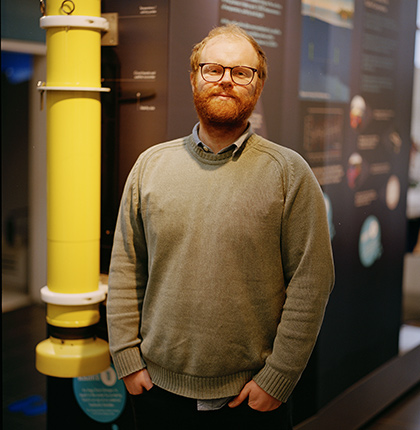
{"points": [[237, 144]]}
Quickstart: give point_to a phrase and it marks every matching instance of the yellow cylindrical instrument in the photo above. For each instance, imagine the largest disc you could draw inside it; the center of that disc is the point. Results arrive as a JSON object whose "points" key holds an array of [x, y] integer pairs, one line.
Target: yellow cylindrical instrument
{"points": [[73, 36]]}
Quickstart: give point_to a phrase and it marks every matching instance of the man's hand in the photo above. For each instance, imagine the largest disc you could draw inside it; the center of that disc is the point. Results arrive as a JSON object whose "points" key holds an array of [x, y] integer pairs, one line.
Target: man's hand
{"points": [[137, 382], [258, 398]]}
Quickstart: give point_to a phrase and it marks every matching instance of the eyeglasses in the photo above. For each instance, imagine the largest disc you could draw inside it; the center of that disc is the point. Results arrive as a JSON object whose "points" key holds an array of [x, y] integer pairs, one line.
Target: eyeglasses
{"points": [[240, 75]]}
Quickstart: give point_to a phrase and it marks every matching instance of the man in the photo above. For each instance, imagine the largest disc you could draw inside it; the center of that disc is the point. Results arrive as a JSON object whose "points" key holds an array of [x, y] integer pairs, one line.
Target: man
{"points": [[221, 266]]}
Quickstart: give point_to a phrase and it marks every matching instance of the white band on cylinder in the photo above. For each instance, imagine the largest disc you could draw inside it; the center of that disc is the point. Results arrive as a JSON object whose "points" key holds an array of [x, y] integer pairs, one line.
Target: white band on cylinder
{"points": [[89, 298], [80, 21]]}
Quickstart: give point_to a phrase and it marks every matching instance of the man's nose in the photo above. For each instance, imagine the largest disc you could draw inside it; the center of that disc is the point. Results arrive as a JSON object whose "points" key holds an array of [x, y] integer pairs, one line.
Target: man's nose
{"points": [[227, 78]]}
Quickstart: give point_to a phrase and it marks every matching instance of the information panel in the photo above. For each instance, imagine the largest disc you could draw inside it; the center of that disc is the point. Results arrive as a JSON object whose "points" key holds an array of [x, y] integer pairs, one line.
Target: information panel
{"points": [[356, 138], [142, 54]]}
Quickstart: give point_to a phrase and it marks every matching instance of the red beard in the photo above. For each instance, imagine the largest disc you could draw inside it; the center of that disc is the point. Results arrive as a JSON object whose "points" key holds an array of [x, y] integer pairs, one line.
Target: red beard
{"points": [[228, 112]]}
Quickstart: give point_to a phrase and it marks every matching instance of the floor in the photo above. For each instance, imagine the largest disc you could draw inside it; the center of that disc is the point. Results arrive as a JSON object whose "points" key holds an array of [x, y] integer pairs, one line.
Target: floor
{"points": [[404, 415], [24, 389]]}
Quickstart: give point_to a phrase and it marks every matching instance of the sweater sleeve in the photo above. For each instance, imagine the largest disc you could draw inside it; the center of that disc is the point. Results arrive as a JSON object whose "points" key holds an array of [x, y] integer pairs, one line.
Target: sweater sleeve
{"points": [[309, 278], [127, 281]]}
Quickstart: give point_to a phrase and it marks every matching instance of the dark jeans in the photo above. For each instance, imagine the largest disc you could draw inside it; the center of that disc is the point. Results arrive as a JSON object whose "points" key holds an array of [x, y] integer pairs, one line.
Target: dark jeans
{"points": [[160, 409]]}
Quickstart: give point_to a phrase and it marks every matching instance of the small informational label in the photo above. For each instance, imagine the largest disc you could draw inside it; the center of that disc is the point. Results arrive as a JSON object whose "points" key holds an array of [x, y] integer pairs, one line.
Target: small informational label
{"points": [[102, 396]]}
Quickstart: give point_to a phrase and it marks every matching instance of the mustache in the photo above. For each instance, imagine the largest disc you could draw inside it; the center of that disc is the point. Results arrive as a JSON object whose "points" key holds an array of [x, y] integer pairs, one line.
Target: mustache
{"points": [[221, 92]]}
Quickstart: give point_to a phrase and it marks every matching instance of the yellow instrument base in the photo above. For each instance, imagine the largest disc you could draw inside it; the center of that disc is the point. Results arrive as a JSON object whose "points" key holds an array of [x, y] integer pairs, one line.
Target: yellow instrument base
{"points": [[65, 358]]}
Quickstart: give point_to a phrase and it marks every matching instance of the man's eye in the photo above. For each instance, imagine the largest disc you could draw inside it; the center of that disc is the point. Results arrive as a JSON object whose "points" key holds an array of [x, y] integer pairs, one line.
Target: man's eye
{"points": [[241, 73], [213, 70]]}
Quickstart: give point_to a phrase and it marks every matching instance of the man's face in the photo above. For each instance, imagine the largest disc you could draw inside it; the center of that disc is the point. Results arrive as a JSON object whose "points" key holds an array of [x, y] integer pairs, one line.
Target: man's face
{"points": [[225, 103]]}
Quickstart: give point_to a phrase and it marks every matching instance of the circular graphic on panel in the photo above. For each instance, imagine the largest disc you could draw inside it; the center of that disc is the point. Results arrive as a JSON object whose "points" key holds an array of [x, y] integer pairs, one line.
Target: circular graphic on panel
{"points": [[102, 396], [370, 248], [393, 192], [329, 216], [357, 111], [354, 170]]}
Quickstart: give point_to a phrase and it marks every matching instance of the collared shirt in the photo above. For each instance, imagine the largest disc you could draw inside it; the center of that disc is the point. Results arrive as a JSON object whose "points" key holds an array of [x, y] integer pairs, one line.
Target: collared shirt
{"points": [[237, 144]]}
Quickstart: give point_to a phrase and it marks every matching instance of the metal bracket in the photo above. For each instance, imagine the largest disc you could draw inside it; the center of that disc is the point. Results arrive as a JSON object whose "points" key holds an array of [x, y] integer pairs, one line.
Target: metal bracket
{"points": [[41, 87], [110, 37]]}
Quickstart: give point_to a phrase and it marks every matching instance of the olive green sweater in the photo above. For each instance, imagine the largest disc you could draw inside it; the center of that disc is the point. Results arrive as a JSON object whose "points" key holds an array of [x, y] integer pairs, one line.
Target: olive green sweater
{"points": [[221, 269]]}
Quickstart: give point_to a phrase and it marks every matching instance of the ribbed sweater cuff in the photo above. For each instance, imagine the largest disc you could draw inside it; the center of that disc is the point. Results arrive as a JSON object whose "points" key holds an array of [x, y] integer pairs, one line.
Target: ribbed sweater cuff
{"points": [[274, 383], [127, 362]]}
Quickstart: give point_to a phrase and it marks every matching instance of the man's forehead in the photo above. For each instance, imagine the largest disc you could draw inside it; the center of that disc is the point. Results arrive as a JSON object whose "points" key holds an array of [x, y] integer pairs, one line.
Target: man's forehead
{"points": [[223, 39], [231, 44]]}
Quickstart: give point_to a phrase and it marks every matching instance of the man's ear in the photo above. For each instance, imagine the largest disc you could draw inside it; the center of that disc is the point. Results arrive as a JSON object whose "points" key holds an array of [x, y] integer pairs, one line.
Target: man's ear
{"points": [[260, 87], [192, 79]]}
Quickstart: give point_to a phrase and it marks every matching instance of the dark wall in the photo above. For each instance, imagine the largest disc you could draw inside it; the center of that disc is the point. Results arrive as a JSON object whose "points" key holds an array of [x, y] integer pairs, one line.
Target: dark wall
{"points": [[321, 63]]}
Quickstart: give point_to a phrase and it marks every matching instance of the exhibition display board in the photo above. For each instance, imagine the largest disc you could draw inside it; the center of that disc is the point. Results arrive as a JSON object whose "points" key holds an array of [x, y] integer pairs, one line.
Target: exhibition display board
{"points": [[353, 108]]}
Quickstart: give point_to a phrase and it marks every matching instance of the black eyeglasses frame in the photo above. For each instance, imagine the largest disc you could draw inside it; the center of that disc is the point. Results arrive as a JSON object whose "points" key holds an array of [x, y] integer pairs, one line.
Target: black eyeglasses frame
{"points": [[231, 75]]}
